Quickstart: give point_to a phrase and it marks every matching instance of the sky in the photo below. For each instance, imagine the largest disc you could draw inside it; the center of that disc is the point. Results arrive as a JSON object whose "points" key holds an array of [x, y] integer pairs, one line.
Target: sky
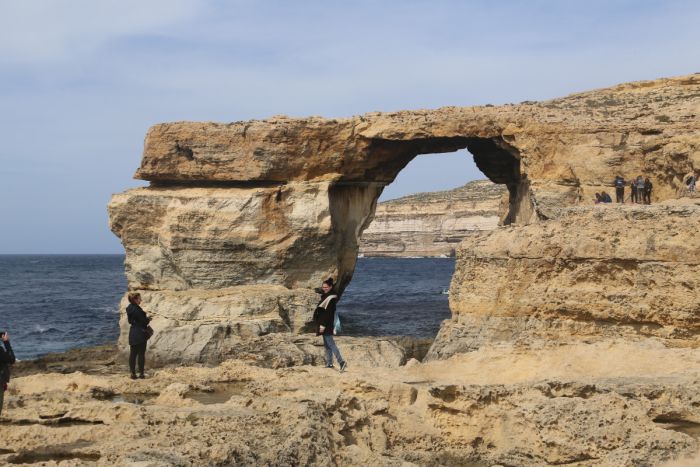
{"points": [[81, 81]]}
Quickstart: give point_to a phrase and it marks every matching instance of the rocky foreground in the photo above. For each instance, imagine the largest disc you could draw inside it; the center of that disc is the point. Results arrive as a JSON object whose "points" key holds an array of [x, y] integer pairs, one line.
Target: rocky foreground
{"points": [[609, 403]]}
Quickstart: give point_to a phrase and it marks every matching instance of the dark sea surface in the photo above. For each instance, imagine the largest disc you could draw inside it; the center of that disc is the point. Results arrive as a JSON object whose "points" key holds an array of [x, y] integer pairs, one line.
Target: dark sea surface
{"points": [[51, 303], [397, 297]]}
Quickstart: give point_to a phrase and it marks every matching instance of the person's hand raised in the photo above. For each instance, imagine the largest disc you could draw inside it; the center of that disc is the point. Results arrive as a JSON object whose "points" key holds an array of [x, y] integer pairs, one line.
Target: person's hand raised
{"points": [[6, 337]]}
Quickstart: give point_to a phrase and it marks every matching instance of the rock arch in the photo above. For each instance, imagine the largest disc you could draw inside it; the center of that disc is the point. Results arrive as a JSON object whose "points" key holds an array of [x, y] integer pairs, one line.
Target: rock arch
{"points": [[242, 219]]}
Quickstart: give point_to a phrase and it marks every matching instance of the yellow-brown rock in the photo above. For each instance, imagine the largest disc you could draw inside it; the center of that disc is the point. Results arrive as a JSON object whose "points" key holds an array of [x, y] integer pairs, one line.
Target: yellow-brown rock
{"points": [[561, 151], [603, 272], [605, 404], [270, 208]]}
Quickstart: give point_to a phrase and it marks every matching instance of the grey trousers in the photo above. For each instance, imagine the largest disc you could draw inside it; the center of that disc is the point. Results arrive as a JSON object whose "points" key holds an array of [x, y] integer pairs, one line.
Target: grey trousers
{"points": [[331, 349]]}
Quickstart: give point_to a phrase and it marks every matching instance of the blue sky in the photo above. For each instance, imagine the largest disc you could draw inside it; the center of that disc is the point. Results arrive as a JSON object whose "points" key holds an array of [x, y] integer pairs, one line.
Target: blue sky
{"points": [[82, 80]]}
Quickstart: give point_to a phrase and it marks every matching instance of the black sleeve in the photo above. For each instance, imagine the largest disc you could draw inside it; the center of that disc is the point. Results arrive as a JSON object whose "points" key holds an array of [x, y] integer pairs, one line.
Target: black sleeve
{"points": [[136, 315], [7, 356]]}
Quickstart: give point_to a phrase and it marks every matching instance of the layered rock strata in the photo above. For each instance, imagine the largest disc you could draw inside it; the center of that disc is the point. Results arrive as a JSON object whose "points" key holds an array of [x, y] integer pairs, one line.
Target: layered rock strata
{"points": [[269, 208], [604, 272], [432, 224], [549, 153]]}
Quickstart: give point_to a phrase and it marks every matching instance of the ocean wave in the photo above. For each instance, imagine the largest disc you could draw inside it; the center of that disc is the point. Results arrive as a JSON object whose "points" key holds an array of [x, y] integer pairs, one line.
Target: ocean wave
{"points": [[41, 330]]}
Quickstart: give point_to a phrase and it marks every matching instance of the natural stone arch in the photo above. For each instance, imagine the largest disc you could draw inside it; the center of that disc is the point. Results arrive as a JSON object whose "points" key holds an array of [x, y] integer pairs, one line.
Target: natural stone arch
{"points": [[242, 219], [352, 204]]}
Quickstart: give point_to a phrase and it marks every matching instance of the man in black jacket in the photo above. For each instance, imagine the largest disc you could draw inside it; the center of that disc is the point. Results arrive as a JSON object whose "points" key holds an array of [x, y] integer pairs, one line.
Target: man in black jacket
{"points": [[7, 358]]}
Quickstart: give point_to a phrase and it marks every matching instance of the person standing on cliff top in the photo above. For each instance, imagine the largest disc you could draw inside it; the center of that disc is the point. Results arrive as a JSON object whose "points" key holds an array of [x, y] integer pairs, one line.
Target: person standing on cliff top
{"points": [[640, 189], [619, 189], [647, 191], [324, 319], [7, 358], [138, 334]]}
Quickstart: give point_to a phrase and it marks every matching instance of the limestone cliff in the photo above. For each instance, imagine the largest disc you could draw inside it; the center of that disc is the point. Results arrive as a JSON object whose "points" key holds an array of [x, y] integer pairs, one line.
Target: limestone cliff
{"points": [[432, 224], [269, 208], [595, 273]]}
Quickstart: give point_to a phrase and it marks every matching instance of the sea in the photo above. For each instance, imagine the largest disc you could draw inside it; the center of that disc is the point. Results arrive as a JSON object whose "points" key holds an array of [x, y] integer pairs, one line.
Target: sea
{"points": [[51, 303]]}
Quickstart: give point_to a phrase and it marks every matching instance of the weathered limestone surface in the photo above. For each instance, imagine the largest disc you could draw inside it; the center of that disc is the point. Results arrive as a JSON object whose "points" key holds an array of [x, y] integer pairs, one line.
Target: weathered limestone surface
{"points": [[637, 406], [181, 238], [218, 264], [433, 224], [594, 273]]}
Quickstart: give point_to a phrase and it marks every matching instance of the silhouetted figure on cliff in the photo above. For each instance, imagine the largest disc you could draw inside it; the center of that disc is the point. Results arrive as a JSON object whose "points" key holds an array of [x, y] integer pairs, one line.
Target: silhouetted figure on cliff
{"points": [[633, 190], [324, 320], [647, 191], [139, 333], [640, 189], [619, 189]]}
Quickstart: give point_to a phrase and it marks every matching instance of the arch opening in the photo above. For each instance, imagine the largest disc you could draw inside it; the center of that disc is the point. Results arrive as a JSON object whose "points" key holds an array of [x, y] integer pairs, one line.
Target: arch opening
{"points": [[353, 202], [494, 157], [497, 160]]}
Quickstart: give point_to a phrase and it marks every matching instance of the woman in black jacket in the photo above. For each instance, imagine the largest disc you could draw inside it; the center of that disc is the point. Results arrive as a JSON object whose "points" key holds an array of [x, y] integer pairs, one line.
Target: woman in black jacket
{"points": [[138, 334], [324, 318]]}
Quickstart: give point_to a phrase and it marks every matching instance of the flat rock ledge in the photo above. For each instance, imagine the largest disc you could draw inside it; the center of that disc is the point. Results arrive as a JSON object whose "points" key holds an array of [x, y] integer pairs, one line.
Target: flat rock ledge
{"points": [[498, 406]]}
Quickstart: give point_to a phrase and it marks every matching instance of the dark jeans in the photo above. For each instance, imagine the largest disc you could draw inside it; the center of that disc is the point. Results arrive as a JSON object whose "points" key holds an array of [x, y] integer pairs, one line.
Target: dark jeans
{"points": [[140, 351], [620, 194], [647, 197], [2, 396], [331, 349]]}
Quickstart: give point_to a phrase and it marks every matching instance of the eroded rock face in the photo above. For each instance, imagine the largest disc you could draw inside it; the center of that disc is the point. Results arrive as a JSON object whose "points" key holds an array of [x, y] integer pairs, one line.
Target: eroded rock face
{"points": [[216, 265], [595, 272], [433, 224]]}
